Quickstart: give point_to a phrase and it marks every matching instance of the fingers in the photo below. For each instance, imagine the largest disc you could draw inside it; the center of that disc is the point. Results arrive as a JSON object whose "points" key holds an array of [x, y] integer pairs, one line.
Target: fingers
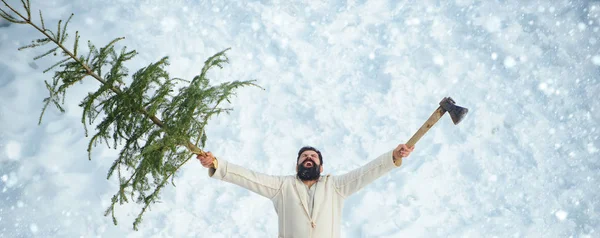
{"points": [[206, 164], [206, 160], [404, 147], [403, 150]]}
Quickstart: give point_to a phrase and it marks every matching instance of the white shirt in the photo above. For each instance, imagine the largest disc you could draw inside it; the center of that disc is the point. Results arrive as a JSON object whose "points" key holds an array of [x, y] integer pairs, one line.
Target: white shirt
{"points": [[303, 212], [310, 191]]}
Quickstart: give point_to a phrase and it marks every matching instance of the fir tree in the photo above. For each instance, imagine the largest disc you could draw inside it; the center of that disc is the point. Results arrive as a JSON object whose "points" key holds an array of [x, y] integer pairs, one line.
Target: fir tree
{"points": [[157, 126]]}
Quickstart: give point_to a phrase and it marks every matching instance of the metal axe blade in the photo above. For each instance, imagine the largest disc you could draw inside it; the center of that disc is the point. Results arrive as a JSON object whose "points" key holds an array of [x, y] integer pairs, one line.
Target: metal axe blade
{"points": [[457, 113]]}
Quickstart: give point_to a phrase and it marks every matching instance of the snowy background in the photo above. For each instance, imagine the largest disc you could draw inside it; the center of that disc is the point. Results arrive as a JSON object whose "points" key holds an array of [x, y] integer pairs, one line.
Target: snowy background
{"points": [[354, 79]]}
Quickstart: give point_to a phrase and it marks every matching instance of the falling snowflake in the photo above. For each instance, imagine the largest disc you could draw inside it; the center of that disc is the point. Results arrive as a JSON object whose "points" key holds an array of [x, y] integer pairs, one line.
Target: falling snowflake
{"points": [[510, 62], [596, 60], [561, 215]]}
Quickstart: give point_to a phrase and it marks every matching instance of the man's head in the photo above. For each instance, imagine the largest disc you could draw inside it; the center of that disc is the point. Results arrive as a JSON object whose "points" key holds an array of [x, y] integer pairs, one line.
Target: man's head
{"points": [[309, 163]]}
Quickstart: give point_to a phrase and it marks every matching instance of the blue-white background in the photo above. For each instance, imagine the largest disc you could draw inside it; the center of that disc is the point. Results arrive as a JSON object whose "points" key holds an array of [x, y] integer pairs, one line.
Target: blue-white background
{"points": [[353, 78]]}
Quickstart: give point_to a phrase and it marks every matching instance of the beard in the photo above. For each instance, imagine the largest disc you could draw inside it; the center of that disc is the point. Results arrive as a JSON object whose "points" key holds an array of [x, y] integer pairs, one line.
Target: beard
{"points": [[308, 174]]}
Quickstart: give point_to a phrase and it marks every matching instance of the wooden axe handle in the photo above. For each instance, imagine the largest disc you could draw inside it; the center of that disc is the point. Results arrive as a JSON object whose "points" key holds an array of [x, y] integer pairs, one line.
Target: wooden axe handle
{"points": [[437, 114]]}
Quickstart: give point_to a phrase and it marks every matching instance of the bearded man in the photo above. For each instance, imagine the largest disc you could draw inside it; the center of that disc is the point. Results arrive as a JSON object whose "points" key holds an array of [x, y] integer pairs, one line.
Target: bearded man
{"points": [[307, 204]]}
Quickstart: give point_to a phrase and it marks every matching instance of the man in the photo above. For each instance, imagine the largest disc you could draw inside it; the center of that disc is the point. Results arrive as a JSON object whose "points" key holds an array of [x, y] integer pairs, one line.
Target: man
{"points": [[307, 204]]}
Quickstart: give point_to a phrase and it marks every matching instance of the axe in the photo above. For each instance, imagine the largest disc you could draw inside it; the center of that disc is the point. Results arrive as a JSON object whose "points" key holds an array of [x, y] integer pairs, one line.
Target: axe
{"points": [[457, 113]]}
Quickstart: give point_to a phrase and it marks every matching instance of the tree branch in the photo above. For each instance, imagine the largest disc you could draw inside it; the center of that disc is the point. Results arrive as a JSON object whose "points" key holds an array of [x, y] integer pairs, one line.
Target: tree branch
{"points": [[193, 148]]}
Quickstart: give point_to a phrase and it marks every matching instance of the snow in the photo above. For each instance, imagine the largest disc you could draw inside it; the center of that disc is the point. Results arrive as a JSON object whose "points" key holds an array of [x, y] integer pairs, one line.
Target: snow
{"points": [[438, 60], [592, 149], [33, 228], [11, 179], [372, 56], [561, 215], [493, 24], [353, 78], [596, 60], [13, 150], [510, 62]]}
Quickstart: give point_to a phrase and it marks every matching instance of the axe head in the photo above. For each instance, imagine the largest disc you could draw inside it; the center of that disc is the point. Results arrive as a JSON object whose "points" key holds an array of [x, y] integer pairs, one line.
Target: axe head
{"points": [[457, 113]]}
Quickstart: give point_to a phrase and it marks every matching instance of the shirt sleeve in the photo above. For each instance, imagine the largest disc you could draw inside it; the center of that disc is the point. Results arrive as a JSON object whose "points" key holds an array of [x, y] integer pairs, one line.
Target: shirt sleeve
{"points": [[353, 181], [262, 184]]}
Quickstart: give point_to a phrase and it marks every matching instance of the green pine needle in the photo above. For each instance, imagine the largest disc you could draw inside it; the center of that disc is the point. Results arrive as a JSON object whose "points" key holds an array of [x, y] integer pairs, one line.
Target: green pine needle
{"points": [[150, 121]]}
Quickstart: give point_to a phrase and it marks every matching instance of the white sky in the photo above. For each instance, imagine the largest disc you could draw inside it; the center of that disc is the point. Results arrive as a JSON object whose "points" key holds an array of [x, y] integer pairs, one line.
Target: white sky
{"points": [[352, 78]]}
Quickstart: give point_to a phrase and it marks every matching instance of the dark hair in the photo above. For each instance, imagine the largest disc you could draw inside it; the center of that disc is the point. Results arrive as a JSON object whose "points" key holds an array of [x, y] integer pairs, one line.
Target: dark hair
{"points": [[305, 148]]}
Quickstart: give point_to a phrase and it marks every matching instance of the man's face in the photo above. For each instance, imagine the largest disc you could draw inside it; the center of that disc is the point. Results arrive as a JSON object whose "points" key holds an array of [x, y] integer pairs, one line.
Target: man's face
{"points": [[309, 165], [309, 159]]}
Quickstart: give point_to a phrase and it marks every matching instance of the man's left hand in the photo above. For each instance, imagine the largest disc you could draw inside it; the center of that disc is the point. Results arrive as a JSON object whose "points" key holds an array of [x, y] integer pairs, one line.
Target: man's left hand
{"points": [[403, 151]]}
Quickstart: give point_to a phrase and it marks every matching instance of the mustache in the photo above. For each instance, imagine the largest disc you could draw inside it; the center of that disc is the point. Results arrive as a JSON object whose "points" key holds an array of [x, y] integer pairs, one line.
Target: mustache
{"points": [[307, 160]]}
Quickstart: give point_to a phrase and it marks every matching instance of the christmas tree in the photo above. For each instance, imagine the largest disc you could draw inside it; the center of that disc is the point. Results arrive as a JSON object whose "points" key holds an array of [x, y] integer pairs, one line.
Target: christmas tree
{"points": [[157, 124]]}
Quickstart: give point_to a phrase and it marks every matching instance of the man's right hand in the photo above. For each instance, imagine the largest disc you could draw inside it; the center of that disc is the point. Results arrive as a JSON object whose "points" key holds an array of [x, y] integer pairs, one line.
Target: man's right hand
{"points": [[206, 160]]}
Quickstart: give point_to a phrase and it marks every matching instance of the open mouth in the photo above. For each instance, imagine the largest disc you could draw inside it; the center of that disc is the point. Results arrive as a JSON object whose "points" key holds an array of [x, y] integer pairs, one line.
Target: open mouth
{"points": [[308, 164]]}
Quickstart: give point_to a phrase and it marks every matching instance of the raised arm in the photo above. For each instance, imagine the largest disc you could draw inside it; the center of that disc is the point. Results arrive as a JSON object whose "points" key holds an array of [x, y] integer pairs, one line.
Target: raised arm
{"points": [[262, 184], [353, 181]]}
